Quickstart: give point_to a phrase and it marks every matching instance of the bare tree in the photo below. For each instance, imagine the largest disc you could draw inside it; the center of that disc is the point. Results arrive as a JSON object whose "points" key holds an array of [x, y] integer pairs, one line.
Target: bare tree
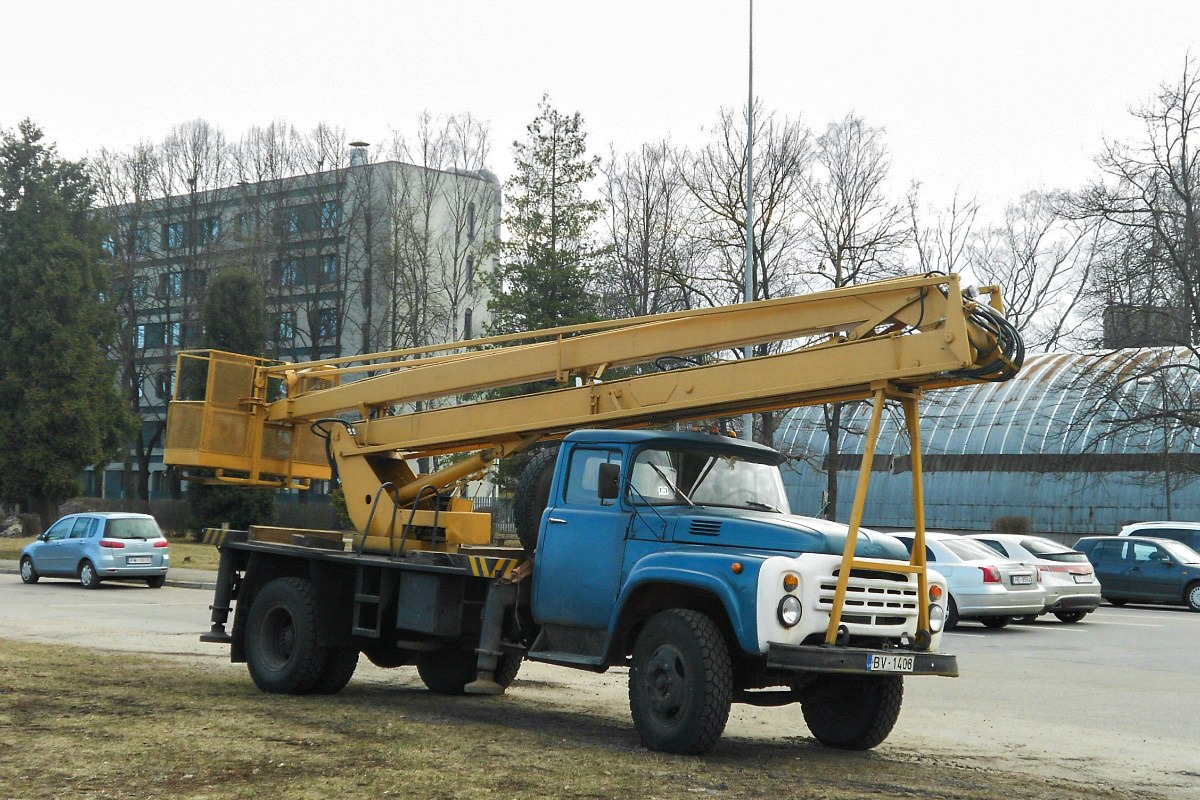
{"points": [[1042, 263], [647, 205], [941, 245]]}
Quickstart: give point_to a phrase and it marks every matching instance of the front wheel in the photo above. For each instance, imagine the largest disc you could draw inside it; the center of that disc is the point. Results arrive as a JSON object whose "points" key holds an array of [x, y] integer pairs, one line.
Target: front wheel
{"points": [[281, 638], [1070, 616], [996, 621], [28, 573], [1192, 596], [88, 578], [852, 712], [680, 682], [952, 615]]}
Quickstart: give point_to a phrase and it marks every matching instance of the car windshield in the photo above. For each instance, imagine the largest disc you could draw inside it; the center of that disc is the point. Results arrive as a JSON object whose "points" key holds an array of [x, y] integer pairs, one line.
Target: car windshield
{"points": [[132, 528], [969, 549], [677, 476], [1052, 551], [1181, 552]]}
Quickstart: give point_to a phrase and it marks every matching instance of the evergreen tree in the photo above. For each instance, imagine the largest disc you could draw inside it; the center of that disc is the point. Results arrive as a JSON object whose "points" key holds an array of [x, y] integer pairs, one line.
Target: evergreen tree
{"points": [[544, 277], [234, 315], [59, 408]]}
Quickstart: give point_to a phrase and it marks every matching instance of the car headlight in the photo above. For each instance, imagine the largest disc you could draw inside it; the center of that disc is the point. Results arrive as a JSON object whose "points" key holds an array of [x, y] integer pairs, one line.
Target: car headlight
{"points": [[937, 617], [789, 611]]}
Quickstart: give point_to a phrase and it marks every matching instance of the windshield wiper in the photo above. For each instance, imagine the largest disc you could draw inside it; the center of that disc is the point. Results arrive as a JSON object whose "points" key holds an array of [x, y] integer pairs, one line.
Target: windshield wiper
{"points": [[762, 506]]}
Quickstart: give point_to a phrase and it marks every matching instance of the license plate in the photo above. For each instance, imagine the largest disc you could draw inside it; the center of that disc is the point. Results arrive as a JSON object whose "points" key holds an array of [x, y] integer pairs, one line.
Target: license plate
{"points": [[136, 561], [1022, 580], [1083, 578], [889, 663]]}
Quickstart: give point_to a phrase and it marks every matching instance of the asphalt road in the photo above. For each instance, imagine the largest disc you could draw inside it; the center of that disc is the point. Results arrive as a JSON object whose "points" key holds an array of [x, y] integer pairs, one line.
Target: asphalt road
{"points": [[1112, 701]]}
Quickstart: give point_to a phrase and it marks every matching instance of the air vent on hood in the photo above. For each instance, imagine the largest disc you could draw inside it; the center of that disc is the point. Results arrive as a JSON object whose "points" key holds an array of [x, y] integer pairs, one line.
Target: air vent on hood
{"points": [[705, 527]]}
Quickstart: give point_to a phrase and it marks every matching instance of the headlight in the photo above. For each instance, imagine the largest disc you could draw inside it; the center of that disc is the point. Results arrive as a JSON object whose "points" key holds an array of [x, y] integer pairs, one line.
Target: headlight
{"points": [[789, 611], [937, 617]]}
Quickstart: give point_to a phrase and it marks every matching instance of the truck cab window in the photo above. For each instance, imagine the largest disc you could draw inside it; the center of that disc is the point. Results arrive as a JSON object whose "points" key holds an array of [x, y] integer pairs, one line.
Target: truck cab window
{"points": [[583, 476]]}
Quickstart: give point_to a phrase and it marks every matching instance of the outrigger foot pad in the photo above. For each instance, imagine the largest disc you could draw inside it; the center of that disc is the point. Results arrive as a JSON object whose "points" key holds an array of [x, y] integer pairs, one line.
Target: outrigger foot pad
{"points": [[484, 686]]}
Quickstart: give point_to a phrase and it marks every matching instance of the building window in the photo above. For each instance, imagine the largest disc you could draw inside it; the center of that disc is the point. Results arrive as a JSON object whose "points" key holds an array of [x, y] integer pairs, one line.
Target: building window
{"points": [[289, 273], [470, 273], [109, 246], [172, 285], [470, 222], [166, 385], [467, 324], [327, 323], [175, 235], [243, 225], [210, 230], [174, 333], [141, 240], [329, 268], [330, 213], [140, 337], [287, 326], [140, 288]]}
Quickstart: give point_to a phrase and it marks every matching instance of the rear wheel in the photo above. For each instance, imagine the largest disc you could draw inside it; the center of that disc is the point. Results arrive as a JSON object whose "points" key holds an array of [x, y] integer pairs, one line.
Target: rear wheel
{"points": [[449, 671], [996, 621], [1192, 596], [1120, 601], [156, 582], [1070, 616], [281, 638], [1028, 619], [388, 656], [88, 578], [532, 496], [340, 663], [852, 712], [28, 573], [680, 682]]}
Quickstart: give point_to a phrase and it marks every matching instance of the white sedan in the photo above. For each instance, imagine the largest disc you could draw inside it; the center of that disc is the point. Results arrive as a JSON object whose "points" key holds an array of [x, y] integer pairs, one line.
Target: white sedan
{"points": [[983, 585]]}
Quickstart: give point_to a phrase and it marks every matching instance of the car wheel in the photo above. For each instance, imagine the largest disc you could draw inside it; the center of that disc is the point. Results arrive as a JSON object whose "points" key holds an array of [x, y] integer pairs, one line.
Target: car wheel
{"points": [[88, 578], [1028, 619], [996, 621], [1070, 616], [1192, 596], [156, 582], [1118, 601], [680, 682], [952, 615], [28, 573], [852, 712], [281, 638]]}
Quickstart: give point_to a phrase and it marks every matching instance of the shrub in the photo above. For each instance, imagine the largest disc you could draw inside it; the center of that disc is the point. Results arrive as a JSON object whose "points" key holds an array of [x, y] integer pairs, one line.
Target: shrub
{"points": [[1012, 524]]}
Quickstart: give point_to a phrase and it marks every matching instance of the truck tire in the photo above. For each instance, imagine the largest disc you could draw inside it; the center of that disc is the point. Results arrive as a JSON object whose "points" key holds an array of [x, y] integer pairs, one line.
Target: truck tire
{"points": [[852, 712], [449, 671], [281, 638], [387, 656], [532, 496], [680, 682], [340, 663]]}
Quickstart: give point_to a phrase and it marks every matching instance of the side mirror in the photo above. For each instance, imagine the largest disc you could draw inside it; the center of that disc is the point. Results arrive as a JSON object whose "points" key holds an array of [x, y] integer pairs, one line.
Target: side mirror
{"points": [[43, 536], [609, 481]]}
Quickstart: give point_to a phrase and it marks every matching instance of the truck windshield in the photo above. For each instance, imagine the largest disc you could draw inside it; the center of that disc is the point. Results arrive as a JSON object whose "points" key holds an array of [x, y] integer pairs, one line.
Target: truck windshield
{"points": [[690, 477]]}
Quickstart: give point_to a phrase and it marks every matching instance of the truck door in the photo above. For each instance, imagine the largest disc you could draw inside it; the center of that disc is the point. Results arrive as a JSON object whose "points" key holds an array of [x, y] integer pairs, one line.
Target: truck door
{"points": [[581, 547]]}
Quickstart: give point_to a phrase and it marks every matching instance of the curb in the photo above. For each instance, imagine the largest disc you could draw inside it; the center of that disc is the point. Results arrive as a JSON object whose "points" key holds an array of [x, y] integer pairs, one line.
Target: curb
{"points": [[182, 582]]}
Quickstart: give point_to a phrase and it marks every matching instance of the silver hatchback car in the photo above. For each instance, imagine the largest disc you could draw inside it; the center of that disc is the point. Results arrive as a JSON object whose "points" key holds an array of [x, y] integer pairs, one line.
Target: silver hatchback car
{"points": [[99, 546]]}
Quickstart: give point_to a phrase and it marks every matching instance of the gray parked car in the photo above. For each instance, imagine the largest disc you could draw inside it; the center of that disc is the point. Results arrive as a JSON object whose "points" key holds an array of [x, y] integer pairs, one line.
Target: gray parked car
{"points": [[99, 546], [1140, 569], [1072, 590]]}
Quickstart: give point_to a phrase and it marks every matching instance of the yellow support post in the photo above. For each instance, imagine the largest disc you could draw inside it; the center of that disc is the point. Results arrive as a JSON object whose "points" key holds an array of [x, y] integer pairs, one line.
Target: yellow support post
{"points": [[913, 421], [856, 513]]}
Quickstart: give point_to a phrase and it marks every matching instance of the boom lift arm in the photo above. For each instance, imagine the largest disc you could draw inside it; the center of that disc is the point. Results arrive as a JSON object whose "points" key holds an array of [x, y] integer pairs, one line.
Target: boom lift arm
{"points": [[275, 424]]}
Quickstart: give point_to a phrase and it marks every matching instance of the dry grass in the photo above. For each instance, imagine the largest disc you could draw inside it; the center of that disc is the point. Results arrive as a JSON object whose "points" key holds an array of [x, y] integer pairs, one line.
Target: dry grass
{"points": [[88, 724]]}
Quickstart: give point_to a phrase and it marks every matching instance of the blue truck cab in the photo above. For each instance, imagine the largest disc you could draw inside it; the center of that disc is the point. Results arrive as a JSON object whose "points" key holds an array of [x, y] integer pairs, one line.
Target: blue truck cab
{"points": [[675, 554]]}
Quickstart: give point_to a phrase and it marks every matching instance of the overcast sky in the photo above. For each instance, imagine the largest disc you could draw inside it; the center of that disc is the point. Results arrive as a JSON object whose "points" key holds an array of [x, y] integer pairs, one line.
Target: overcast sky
{"points": [[991, 99]]}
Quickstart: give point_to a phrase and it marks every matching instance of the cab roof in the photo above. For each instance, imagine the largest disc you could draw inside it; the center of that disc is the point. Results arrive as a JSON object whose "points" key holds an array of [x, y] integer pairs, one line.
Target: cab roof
{"points": [[751, 451]]}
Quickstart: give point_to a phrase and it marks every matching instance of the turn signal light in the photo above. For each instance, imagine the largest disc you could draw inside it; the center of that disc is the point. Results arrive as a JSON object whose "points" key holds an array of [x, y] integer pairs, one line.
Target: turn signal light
{"points": [[736, 567], [990, 574], [790, 582], [935, 592]]}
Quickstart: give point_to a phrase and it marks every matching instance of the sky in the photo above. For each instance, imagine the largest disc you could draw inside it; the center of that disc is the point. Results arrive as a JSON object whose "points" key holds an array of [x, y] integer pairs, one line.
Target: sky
{"points": [[984, 99]]}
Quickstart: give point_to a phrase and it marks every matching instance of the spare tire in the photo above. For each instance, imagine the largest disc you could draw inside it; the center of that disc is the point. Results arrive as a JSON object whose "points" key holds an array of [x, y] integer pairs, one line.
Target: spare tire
{"points": [[532, 497]]}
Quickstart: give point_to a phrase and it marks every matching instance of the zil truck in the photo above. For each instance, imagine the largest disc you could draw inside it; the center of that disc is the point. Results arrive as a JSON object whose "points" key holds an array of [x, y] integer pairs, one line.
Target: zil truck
{"points": [[643, 544]]}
